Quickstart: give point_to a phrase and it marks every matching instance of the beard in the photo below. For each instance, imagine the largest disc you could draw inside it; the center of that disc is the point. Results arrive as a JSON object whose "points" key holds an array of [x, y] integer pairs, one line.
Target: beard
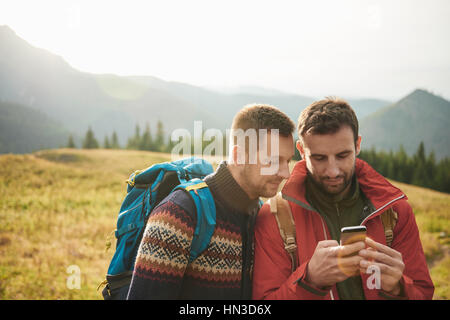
{"points": [[327, 185], [270, 188], [261, 186]]}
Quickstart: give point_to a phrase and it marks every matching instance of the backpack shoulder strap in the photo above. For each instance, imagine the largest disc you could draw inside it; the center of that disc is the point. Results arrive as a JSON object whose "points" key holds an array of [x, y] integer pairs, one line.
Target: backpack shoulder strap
{"points": [[206, 215], [281, 209], [389, 219]]}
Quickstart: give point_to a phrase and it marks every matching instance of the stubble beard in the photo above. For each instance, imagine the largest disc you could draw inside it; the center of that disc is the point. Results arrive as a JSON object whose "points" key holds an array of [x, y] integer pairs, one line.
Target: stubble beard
{"points": [[319, 182], [259, 189]]}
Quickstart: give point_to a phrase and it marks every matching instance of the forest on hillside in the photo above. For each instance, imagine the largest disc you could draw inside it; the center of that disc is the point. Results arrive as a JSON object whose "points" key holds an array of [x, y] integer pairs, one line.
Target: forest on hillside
{"points": [[420, 169]]}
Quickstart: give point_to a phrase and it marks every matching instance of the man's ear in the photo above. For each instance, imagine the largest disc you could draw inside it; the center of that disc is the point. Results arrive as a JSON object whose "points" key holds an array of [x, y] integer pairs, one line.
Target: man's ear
{"points": [[358, 145], [300, 149], [235, 154], [232, 157]]}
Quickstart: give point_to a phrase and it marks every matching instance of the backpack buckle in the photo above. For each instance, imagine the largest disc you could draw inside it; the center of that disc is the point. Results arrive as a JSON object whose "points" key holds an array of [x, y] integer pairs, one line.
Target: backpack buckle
{"points": [[197, 186], [290, 244]]}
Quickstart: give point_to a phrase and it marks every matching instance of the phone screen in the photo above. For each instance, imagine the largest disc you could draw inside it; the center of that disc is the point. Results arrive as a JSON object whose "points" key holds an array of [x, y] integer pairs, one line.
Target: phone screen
{"points": [[353, 234]]}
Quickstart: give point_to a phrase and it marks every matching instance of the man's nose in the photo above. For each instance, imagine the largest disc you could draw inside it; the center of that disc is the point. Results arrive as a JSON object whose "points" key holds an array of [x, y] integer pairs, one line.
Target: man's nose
{"points": [[332, 170], [283, 171]]}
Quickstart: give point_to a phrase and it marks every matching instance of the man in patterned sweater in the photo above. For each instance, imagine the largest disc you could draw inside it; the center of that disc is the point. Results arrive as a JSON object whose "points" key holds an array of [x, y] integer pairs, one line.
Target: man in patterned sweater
{"points": [[224, 269]]}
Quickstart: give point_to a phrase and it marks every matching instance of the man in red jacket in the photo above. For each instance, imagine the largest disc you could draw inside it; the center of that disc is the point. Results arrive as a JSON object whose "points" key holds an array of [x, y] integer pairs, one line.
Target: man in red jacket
{"points": [[328, 190]]}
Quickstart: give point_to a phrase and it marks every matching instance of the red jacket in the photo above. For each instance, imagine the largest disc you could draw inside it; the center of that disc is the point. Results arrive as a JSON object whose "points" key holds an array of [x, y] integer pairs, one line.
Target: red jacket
{"points": [[273, 278]]}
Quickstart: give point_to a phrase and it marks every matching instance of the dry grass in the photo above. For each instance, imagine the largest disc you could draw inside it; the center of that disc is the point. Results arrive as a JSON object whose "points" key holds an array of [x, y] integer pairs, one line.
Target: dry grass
{"points": [[57, 208], [431, 209]]}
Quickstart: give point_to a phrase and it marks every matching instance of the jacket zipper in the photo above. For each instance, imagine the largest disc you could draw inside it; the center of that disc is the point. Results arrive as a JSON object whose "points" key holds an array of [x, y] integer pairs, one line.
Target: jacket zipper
{"points": [[364, 221], [381, 208], [321, 219], [339, 215]]}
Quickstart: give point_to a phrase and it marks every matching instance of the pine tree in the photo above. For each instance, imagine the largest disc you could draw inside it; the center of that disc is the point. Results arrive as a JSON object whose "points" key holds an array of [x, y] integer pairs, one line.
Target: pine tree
{"points": [[430, 170], [420, 171], [114, 141], [390, 165], [71, 143], [159, 139], [402, 165], [420, 154], [442, 176], [146, 142], [170, 145], [134, 142], [89, 141], [106, 143]]}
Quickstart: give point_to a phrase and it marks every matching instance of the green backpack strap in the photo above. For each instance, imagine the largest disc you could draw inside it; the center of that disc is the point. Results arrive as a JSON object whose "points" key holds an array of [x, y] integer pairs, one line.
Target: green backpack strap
{"points": [[389, 219]]}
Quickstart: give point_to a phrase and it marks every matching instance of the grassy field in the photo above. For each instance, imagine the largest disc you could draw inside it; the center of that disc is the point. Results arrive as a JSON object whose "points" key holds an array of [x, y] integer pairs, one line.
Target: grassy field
{"points": [[57, 208]]}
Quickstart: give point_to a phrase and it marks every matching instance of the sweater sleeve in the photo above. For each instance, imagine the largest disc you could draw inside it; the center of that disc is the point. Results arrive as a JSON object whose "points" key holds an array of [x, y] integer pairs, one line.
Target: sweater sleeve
{"points": [[163, 254]]}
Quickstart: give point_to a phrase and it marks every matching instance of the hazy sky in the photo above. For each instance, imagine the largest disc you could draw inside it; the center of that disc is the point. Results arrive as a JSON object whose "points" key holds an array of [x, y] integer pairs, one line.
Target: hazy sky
{"points": [[350, 48]]}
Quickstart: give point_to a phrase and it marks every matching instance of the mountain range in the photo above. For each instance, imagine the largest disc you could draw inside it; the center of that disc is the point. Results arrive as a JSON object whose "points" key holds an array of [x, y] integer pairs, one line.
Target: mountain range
{"points": [[36, 80], [420, 116]]}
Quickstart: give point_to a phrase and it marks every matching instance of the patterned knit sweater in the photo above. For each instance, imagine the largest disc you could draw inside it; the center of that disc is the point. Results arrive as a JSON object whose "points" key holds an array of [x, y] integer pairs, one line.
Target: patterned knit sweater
{"points": [[222, 271]]}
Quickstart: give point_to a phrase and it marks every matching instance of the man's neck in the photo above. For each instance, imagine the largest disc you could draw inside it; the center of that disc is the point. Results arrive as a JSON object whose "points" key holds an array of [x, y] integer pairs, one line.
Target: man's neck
{"points": [[229, 192]]}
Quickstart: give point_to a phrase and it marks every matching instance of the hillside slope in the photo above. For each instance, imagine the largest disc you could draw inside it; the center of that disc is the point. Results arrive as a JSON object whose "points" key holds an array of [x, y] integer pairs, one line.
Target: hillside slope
{"points": [[41, 80], [23, 129], [38, 79], [420, 116]]}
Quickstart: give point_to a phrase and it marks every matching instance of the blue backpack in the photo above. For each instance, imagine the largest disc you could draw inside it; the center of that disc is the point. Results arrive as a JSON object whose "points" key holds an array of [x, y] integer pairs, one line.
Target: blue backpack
{"points": [[145, 190]]}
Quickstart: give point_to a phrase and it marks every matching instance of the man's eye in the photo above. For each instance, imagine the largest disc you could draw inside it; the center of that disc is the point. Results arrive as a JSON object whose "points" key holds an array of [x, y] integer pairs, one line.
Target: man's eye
{"points": [[319, 158], [274, 161], [271, 161], [343, 156]]}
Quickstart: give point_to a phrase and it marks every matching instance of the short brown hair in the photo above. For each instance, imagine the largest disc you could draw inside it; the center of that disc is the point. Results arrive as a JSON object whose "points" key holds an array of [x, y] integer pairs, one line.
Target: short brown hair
{"points": [[327, 116], [263, 116]]}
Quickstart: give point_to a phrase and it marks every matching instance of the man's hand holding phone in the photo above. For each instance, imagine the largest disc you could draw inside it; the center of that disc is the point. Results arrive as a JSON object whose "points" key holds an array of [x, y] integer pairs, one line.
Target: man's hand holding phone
{"points": [[389, 262], [349, 236], [332, 263]]}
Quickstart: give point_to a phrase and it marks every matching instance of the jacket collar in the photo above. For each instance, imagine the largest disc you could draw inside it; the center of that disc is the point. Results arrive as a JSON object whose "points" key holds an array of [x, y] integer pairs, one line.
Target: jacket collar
{"points": [[375, 187]]}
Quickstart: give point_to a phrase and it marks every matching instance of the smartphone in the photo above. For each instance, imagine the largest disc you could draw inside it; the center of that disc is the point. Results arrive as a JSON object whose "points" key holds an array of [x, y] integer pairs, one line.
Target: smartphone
{"points": [[353, 234], [350, 235]]}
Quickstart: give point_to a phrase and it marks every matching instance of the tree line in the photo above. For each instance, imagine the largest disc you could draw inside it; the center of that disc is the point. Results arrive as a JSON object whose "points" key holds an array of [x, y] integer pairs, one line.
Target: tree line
{"points": [[139, 141], [418, 169], [158, 142]]}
